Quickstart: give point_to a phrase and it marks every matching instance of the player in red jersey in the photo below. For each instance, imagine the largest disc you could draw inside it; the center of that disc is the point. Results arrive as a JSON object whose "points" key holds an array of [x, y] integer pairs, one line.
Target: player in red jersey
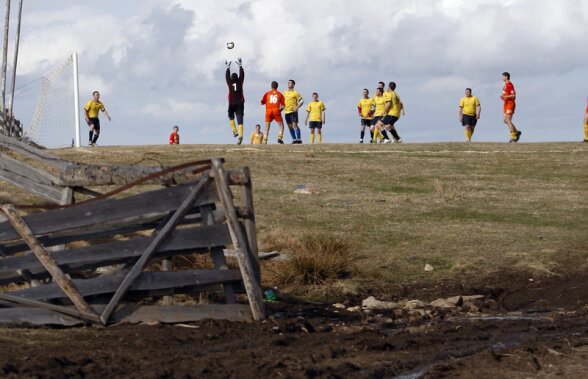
{"points": [[274, 104], [509, 96], [236, 99], [174, 138]]}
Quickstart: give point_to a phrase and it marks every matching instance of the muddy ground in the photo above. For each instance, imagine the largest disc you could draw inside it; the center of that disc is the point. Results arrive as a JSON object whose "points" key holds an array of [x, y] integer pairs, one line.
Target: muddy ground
{"points": [[522, 328]]}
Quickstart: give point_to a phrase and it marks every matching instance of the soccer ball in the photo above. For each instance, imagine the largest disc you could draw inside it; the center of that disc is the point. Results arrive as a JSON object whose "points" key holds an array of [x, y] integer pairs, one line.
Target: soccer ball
{"points": [[230, 45]]}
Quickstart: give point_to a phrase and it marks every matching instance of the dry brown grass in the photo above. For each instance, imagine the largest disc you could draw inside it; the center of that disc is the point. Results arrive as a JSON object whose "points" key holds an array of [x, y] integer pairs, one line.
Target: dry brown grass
{"points": [[467, 209]]}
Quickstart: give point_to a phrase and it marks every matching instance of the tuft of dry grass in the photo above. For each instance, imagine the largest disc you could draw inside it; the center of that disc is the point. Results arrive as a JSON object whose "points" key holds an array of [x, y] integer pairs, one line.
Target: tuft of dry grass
{"points": [[319, 260]]}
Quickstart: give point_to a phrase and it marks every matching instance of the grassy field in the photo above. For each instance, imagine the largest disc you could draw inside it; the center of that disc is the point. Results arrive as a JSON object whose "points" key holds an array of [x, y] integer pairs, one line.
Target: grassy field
{"points": [[469, 210]]}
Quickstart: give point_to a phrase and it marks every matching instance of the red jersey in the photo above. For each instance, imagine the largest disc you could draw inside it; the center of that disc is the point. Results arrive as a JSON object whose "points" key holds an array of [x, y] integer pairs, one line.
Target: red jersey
{"points": [[508, 90], [174, 139], [272, 100]]}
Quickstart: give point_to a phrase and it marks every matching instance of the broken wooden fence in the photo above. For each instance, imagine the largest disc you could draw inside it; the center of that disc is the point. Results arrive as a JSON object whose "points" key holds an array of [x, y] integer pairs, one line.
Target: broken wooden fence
{"points": [[133, 235]]}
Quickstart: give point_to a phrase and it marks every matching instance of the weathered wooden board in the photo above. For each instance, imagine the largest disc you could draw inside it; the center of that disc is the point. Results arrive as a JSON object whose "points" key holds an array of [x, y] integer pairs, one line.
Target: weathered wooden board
{"points": [[146, 281], [180, 241], [33, 152], [129, 210], [132, 314]]}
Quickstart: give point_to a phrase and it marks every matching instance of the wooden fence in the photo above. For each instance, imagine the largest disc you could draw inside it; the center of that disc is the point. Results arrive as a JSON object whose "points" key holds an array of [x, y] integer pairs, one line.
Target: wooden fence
{"points": [[132, 240]]}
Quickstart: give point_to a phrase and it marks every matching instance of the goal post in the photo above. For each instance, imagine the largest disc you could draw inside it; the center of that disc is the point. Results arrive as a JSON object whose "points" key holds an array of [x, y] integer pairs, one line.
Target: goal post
{"points": [[56, 121]]}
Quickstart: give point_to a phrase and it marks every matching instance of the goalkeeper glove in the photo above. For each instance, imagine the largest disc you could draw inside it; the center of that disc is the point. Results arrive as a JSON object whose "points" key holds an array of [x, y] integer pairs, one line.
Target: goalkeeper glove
{"points": [[227, 63], [239, 62]]}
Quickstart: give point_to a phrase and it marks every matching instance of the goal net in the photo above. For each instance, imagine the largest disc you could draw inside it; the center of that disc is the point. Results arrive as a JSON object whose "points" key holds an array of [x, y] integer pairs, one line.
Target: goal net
{"points": [[54, 122]]}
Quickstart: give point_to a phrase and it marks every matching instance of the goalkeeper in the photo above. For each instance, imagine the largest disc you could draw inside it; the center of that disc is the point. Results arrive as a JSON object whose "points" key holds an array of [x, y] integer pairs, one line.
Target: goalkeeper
{"points": [[91, 110], [236, 99]]}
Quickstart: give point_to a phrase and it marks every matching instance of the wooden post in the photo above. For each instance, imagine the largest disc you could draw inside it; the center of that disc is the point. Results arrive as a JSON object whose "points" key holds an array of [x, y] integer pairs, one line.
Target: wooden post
{"points": [[218, 257], [239, 242], [249, 221], [45, 258], [152, 248]]}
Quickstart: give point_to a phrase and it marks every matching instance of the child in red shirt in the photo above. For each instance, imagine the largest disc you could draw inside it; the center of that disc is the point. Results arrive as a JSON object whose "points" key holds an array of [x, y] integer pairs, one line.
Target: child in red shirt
{"points": [[174, 138]]}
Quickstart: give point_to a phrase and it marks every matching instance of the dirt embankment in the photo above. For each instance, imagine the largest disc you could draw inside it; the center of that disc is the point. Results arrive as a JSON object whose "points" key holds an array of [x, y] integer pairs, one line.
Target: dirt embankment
{"points": [[521, 328]]}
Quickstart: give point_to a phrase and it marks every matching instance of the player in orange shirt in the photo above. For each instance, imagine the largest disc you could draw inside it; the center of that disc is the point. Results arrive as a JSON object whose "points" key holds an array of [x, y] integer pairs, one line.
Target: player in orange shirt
{"points": [[274, 104], [509, 95]]}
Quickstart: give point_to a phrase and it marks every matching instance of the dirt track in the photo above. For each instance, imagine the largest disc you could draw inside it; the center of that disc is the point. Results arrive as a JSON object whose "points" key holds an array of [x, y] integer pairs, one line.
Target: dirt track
{"points": [[523, 329]]}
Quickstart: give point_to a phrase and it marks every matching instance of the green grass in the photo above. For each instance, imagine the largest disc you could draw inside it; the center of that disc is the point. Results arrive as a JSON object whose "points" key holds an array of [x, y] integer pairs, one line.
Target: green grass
{"points": [[467, 209]]}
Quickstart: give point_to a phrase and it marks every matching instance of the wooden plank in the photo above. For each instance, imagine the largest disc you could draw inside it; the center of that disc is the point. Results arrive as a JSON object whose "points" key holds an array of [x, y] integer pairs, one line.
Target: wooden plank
{"points": [[129, 210], [86, 257], [153, 246], [45, 258], [7, 163], [147, 281], [52, 307], [239, 242], [218, 257], [98, 175], [33, 152], [131, 314], [48, 192]]}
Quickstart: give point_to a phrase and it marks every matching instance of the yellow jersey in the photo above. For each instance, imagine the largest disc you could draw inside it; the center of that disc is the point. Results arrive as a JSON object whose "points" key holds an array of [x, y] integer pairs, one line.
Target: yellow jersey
{"points": [[366, 108], [256, 138], [93, 107], [469, 105], [380, 102], [315, 109], [291, 99], [393, 98]]}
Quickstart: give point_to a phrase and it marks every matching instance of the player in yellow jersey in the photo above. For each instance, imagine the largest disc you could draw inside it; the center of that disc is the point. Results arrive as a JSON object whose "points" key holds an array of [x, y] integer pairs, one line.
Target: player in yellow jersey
{"points": [[91, 112], [257, 136], [293, 102], [365, 108], [391, 114], [469, 112], [316, 112], [376, 127]]}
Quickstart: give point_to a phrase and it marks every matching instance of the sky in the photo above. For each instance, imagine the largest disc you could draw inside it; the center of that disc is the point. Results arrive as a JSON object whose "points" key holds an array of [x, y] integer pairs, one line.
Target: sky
{"points": [[160, 63]]}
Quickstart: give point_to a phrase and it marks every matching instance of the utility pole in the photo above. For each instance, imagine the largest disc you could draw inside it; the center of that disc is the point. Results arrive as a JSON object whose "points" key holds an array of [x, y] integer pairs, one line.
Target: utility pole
{"points": [[16, 43], [4, 59]]}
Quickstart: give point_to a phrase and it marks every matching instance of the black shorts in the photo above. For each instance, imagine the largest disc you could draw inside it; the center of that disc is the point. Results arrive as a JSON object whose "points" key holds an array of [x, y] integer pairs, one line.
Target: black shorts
{"points": [[291, 117], [365, 122], [375, 120], [469, 120], [389, 120], [95, 121], [235, 109], [315, 124]]}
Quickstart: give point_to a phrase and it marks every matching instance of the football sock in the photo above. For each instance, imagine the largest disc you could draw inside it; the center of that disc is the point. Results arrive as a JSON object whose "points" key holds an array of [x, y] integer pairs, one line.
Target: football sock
{"points": [[240, 130], [362, 134], [513, 136], [385, 134], [298, 134], [378, 135], [394, 133], [95, 138], [233, 126], [91, 135], [320, 138], [264, 139], [468, 134], [371, 135], [292, 134], [280, 135], [312, 138], [585, 131]]}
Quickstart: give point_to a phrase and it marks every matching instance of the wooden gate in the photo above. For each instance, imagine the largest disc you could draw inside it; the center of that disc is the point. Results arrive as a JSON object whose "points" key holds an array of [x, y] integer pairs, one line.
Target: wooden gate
{"points": [[130, 240]]}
